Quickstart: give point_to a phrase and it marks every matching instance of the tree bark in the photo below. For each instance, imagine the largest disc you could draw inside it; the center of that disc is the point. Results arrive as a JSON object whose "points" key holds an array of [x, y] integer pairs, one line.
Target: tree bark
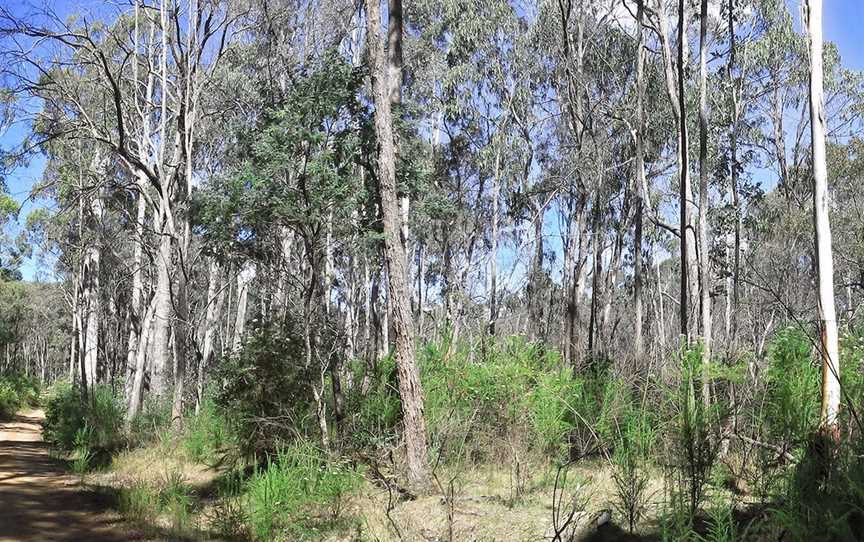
{"points": [[244, 279], [827, 311], [410, 390], [683, 177], [160, 351], [704, 263], [215, 301], [638, 341], [493, 250], [736, 204]]}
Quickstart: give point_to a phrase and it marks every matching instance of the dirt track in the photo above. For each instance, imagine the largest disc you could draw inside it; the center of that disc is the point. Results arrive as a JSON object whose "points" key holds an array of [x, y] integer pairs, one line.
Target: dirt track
{"points": [[39, 500]]}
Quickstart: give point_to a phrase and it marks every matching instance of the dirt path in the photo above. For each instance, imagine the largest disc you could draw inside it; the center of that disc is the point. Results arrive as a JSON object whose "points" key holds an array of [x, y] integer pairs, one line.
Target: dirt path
{"points": [[39, 500]]}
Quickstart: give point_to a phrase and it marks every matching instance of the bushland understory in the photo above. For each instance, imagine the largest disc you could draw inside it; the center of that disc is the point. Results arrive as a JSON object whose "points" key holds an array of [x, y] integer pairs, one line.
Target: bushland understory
{"points": [[523, 449]]}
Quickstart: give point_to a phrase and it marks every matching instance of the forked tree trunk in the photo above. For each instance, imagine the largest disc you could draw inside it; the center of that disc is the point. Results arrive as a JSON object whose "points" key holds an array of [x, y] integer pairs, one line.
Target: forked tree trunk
{"points": [[410, 390], [215, 301], [824, 259], [136, 390]]}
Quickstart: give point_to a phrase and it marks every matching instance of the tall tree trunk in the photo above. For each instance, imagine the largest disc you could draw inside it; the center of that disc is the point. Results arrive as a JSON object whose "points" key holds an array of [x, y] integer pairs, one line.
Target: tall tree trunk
{"points": [[661, 309], [215, 301], [493, 250], [827, 312], [535, 280], [160, 348], [91, 295], [611, 279], [410, 390], [736, 204], [73, 344], [135, 316], [394, 90], [683, 177], [638, 341], [135, 394], [704, 263], [244, 279], [597, 256]]}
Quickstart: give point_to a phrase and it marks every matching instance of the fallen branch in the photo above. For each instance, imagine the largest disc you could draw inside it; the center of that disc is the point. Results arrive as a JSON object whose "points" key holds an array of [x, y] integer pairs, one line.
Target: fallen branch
{"points": [[781, 452]]}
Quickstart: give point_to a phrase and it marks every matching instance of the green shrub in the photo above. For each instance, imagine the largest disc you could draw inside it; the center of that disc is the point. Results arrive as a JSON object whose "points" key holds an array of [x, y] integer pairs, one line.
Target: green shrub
{"points": [[172, 499], [517, 392], [139, 503], [300, 493], [472, 404], [598, 401], [793, 392], [76, 423], [16, 392], [9, 400], [548, 408], [207, 434], [64, 414], [633, 447], [266, 387], [175, 500], [823, 498], [373, 413], [153, 422], [689, 438]]}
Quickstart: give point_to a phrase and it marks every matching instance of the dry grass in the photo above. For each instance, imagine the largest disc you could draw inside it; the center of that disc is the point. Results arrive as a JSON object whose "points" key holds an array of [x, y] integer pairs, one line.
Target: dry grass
{"points": [[473, 502], [484, 506]]}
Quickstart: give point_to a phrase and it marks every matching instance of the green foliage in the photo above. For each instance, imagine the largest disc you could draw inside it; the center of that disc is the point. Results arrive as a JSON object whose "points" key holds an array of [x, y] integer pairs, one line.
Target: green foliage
{"points": [[153, 422], [172, 499], [721, 522], [630, 460], [299, 165], [599, 400], [175, 500], [824, 496], [373, 414], [208, 434], [64, 414], [16, 392], [518, 393], [548, 411], [265, 387], [82, 456], [92, 424], [139, 502], [299, 493], [689, 436], [471, 404], [792, 379]]}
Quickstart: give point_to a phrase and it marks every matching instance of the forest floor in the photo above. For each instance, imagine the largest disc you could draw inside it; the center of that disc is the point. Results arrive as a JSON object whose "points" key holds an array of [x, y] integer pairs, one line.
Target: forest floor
{"points": [[40, 500]]}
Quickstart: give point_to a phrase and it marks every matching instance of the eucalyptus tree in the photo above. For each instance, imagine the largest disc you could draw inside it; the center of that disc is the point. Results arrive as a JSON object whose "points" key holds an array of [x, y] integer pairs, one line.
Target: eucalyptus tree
{"points": [[829, 350], [148, 125], [704, 259], [410, 390]]}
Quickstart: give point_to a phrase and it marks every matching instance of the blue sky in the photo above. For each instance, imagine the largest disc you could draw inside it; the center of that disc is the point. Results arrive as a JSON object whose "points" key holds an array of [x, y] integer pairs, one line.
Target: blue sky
{"points": [[841, 20], [841, 26]]}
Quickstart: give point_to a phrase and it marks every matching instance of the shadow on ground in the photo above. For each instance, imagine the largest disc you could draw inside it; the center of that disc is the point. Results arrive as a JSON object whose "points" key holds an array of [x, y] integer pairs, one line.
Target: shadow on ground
{"points": [[39, 501]]}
